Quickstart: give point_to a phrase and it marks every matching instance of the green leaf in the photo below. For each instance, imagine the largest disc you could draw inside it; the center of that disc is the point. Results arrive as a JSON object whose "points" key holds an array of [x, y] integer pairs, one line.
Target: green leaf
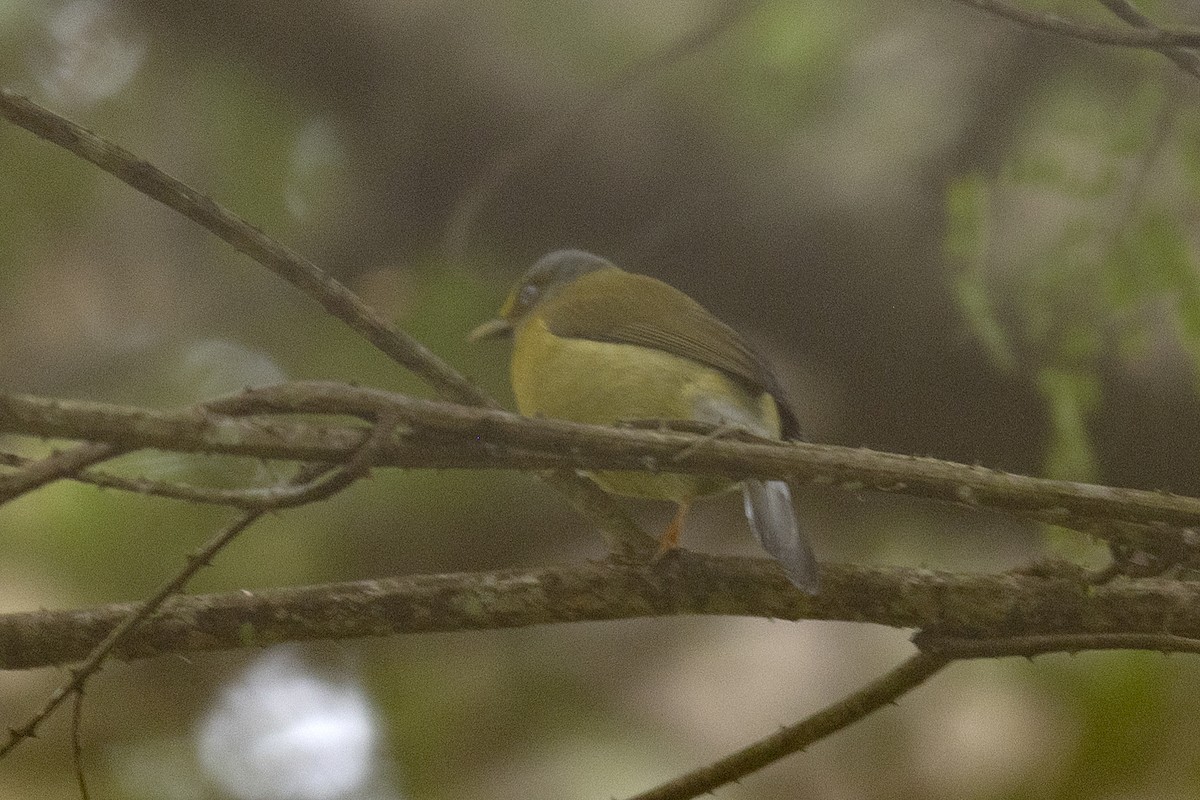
{"points": [[965, 245], [1071, 396]]}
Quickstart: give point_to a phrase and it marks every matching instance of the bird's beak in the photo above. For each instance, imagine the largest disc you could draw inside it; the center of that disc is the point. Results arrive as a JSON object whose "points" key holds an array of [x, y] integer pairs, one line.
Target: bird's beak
{"points": [[492, 329]]}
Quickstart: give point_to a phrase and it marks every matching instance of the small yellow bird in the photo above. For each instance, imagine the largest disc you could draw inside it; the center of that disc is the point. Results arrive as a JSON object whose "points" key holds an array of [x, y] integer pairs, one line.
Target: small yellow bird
{"points": [[596, 344]]}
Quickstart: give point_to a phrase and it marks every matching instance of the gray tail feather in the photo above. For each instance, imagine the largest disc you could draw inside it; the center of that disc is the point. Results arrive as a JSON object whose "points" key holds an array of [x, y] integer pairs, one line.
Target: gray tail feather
{"points": [[773, 520]]}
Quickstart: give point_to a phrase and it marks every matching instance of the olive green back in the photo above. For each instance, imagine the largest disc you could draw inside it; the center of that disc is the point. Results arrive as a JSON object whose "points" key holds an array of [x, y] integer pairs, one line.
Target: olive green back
{"points": [[611, 305]]}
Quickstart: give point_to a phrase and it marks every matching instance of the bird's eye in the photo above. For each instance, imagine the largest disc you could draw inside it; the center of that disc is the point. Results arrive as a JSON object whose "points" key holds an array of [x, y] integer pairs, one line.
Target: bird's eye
{"points": [[529, 294]]}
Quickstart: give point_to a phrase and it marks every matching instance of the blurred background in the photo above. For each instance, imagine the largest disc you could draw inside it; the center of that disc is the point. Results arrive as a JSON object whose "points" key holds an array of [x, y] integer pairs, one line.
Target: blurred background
{"points": [[954, 237]]}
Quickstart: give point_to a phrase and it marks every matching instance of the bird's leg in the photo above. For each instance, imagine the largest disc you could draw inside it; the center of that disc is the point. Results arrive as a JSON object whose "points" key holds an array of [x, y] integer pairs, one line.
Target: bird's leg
{"points": [[670, 537]]}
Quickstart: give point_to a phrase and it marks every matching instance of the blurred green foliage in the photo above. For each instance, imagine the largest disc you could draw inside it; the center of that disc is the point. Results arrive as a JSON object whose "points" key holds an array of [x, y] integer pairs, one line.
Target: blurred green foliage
{"points": [[1060, 253], [1061, 258]]}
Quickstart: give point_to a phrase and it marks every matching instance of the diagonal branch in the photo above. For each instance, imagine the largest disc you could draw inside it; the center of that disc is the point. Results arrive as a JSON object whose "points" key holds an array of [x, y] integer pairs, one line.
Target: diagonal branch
{"points": [[1144, 37], [245, 238], [101, 651], [793, 738], [619, 528], [34, 474], [1186, 60], [521, 155], [936, 652], [77, 746], [311, 484]]}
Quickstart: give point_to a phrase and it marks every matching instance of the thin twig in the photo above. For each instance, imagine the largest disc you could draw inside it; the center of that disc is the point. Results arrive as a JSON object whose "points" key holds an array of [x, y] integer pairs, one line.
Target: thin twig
{"points": [[63, 464], [1042, 644], [1186, 60], [624, 538], [244, 237], [234, 498], [845, 712], [311, 484], [1161, 39], [77, 743], [100, 653], [332, 480], [503, 166]]}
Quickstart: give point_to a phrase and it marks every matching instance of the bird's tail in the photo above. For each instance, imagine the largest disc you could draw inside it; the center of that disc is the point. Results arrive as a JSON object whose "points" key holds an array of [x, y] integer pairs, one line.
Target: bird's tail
{"points": [[773, 520]]}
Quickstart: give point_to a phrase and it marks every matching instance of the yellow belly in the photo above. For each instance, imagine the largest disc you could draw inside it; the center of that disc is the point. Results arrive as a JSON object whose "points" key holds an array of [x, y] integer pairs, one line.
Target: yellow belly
{"points": [[606, 383]]}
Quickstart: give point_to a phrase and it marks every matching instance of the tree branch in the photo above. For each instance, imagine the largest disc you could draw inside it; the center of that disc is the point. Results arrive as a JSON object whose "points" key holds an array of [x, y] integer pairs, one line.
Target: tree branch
{"points": [[441, 435], [311, 484], [235, 498], [1037, 645], [77, 746], [1186, 60], [948, 605], [619, 529], [34, 474], [245, 238], [1145, 37], [129, 621], [519, 156], [845, 712]]}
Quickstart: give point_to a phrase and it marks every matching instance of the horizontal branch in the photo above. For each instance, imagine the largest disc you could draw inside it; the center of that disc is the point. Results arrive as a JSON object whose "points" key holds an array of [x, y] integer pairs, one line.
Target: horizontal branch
{"points": [[441, 435], [1147, 38], [1041, 644], [947, 605]]}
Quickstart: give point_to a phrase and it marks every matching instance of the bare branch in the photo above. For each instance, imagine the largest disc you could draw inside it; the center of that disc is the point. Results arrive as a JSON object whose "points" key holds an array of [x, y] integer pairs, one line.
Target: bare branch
{"points": [[948, 605], [1145, 37], [621, 532], [135, 616], [235, 498], [624, 539], [310, 485], [77, 745], [1186, 60], [1036, 645], [511, 161], [440, 435], [244, 237], [64, 464], [845, 712]]}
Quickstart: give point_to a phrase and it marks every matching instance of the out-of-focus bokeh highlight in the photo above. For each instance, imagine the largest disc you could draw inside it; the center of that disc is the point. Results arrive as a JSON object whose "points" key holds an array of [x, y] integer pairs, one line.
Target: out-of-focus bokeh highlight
{"points": [[281, 732], [952, 236]]}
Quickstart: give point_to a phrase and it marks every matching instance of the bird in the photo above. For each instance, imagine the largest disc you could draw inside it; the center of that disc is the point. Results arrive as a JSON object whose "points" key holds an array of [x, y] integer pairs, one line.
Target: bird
{"points": [[594, 343]]}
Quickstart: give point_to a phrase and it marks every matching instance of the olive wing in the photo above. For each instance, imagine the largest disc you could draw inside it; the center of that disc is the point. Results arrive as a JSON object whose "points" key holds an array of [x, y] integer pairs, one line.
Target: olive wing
{"points": [[616, 306]]}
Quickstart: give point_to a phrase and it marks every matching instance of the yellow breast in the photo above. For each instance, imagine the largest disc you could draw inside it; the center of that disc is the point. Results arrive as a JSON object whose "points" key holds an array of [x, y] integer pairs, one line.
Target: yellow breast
{"points": [[606, 383]]}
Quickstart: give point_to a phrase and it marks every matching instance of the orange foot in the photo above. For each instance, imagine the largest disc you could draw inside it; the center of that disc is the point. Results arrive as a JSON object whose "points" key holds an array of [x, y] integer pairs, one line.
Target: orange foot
{"points": [[670, 537]]}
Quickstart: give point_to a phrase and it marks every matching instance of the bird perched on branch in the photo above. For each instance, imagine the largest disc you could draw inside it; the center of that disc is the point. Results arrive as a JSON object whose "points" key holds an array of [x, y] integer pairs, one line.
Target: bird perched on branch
{"points": [[593, 343]]}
